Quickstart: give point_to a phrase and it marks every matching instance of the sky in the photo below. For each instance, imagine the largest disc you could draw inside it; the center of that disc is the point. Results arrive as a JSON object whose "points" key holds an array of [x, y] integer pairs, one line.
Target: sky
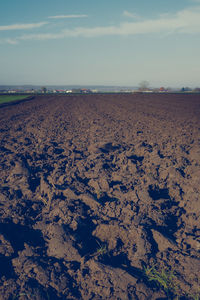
{"points": [[107, 42]]}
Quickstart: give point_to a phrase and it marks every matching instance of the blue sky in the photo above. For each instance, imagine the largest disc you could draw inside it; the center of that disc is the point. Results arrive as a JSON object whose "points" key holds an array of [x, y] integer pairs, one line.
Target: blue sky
{"points": [[107, 42]]}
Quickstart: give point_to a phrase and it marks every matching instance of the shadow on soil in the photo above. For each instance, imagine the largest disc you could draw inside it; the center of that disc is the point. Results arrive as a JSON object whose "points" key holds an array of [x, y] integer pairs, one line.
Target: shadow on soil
{"points": [[18, 235]]}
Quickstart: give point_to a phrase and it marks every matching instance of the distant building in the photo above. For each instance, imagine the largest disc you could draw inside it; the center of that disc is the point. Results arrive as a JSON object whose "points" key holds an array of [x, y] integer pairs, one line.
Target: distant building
{"points": [[85, 91], [162, 89], [12, 91]]}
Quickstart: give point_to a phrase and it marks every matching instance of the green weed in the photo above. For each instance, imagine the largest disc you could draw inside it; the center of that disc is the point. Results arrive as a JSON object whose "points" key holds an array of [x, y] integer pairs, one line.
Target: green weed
{"points": [[164, 279], [194, 297], [102, 250]]}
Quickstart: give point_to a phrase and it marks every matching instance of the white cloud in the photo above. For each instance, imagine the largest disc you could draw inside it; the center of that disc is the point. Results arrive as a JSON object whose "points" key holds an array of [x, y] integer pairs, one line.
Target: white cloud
{"points": [[184, 21], [130, 15], [68, 16], [190, 20], [42, 36], [22, 26], [11, 41]]}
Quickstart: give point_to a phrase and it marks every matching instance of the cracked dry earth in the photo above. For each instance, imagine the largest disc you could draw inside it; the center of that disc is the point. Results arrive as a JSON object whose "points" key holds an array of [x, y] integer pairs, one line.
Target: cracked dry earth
{"points": [[93, 189]]}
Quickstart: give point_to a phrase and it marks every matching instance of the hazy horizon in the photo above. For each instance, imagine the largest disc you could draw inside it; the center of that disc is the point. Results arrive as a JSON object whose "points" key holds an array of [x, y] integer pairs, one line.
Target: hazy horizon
{"points": [[89, 86]]}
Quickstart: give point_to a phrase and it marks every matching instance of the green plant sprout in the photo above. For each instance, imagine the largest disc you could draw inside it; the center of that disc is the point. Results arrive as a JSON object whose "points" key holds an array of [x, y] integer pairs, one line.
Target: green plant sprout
{"points": [[101, 250], [195, 297], [164, 279]]}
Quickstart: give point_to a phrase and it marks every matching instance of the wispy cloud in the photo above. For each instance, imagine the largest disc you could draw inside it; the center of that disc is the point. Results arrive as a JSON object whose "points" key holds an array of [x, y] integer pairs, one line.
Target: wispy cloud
{"points": [[68, 16], [130, 15], [184, 21], [22, 26], [9, 41]]}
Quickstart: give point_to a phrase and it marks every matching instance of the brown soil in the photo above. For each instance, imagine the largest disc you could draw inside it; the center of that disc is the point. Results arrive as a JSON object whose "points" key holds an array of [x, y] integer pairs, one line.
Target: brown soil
{"points": [[94, 188]]}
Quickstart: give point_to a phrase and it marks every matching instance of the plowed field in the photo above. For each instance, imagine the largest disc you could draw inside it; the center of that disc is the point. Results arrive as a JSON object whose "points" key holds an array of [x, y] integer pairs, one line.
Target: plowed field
{"points": [[100, 197]]}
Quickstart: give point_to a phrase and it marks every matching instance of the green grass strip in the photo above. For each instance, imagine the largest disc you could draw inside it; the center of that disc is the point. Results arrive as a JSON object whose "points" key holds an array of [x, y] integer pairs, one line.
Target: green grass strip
{"points": [[8, 98]]}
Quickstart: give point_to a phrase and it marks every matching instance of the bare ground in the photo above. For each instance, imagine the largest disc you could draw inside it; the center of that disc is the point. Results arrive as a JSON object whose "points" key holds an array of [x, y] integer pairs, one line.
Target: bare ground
{"points": [[96, 188]]}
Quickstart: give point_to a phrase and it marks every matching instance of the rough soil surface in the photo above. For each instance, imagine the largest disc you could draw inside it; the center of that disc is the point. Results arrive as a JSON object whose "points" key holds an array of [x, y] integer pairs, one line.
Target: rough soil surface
{"points": [[96, 188]]}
